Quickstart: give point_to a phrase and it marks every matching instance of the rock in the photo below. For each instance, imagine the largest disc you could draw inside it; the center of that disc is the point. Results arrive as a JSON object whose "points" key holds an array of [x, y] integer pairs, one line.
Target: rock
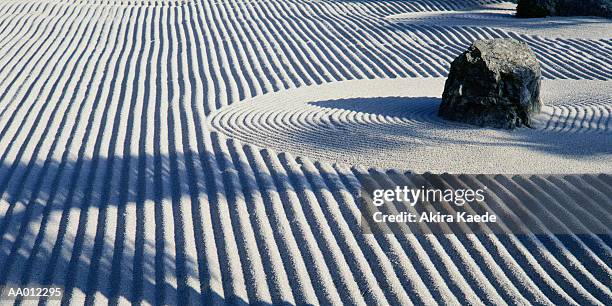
{"points": [[543, 8], [495, 83]]}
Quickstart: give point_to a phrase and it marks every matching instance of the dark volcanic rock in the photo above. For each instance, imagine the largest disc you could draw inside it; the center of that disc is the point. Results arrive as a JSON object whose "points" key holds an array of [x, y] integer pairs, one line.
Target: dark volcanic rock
{"points": [[543, 8], [495, 83]]}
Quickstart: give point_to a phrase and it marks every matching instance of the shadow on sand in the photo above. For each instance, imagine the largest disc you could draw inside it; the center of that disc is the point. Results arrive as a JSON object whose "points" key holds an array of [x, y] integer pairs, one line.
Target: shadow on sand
{"points": [[71, 224], [425, 125]]}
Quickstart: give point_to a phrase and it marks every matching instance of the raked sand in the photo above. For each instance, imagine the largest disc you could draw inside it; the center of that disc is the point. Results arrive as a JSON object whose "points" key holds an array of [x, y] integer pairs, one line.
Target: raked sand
{"points": [[393, 124], [196, 151]]}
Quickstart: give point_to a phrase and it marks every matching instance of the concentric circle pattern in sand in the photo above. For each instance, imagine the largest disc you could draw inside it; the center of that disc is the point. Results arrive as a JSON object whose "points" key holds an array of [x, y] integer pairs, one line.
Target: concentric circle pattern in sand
{"points": [[394, 124]]}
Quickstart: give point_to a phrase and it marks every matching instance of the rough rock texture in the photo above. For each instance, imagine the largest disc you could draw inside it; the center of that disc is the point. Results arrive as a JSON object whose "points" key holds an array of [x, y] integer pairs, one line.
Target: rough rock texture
{"points": [[495, 83], [543, 8]]}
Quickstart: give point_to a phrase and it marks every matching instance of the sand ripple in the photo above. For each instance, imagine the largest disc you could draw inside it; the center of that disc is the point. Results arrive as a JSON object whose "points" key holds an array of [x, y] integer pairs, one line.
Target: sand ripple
{"points": [[393, 124]]}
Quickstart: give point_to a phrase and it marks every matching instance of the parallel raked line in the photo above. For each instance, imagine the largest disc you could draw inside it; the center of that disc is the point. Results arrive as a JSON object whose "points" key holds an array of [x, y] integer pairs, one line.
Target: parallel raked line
{"points": [[56, 151]]}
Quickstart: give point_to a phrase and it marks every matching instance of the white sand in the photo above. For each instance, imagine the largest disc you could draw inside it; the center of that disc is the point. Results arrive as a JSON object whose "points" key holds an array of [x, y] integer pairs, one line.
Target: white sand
{"points": [[502, 16], [114, 186], [394, 124]]}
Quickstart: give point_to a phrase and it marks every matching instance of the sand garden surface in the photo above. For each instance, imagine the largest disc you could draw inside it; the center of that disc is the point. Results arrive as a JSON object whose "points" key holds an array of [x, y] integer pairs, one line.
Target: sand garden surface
{"points": [[196, 151], [393, 124]]}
